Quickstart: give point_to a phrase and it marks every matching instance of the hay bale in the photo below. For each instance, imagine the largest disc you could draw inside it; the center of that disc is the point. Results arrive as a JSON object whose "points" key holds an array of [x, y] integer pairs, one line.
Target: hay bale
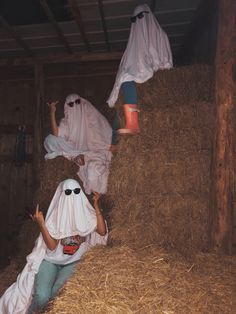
{"points": [[178, 85], [164, 196], [148, 280]]}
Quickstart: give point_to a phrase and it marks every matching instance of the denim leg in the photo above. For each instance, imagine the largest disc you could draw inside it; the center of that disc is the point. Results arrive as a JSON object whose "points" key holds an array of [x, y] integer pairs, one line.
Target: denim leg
{"points": [[129, 92], [43, 284], [115, 126], [63, 274]]}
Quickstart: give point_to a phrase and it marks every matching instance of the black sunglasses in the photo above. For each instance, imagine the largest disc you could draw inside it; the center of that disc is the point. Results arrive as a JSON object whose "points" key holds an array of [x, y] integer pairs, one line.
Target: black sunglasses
{"points": [[71, 103], [69, 191], [140, 16]]}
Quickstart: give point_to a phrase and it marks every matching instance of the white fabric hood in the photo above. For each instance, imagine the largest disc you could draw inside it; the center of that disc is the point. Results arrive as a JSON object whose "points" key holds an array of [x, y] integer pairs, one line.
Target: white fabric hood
{"points": [[72, 214], [85, 126], [147, 51]]}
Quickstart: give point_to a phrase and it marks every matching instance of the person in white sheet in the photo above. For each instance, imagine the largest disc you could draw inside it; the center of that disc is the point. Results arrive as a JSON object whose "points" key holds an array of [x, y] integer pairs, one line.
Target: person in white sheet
{"points": [[72, 225], [147, 51], [83, 135]]}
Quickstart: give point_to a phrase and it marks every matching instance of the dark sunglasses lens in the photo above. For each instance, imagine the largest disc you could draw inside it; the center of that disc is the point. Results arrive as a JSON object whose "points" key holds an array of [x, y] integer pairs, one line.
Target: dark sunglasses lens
{"points": [[77, 101], [133, 19], [140, 15], [68, 191], [70, 104], [77, 190]]}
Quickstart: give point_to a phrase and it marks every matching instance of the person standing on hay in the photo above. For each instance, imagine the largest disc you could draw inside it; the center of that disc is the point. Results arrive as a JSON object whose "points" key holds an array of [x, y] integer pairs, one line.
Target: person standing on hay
{"points": [[72, 225], [147, 51], [84, 136]]}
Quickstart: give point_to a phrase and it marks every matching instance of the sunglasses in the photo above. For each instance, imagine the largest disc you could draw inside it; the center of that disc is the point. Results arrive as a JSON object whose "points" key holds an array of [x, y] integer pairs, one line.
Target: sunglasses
{"points": [[69, 191], [140, 16], [71, 103]]}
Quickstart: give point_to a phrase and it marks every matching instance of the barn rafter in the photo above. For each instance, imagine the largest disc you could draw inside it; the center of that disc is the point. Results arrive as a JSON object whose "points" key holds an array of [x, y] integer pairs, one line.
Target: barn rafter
{"points": [[55, 25]]}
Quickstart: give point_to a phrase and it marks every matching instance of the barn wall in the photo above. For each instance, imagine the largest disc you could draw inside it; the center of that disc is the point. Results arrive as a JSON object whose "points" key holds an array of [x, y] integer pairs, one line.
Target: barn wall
{"points": [[16, 99], [18, 107], [200, 44]]}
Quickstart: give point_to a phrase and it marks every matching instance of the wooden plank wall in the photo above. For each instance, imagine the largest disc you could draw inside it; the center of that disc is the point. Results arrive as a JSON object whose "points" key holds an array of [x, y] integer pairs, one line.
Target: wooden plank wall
{"points": [[18, 98], [16, 182], [200, 44]]}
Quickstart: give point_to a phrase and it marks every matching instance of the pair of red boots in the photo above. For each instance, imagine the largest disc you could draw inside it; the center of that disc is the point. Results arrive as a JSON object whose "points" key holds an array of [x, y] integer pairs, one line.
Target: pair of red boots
{"points": [[131, 120]]}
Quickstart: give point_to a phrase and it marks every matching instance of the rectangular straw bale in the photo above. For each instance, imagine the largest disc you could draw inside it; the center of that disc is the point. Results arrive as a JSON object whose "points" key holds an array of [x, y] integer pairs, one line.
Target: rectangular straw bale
{"points": [[160, 179], [182, 84], [120, 280]]}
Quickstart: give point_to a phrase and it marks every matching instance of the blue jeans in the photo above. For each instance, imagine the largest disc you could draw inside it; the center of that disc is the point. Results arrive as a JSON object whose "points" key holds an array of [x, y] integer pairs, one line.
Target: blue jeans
{"points": [[49, 279], [129, 92]]}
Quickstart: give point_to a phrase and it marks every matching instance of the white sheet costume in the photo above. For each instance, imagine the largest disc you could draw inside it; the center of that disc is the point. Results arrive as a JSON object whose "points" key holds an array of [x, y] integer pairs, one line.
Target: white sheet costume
{"points": [[67, 215], [84, 130], [147, 51]]}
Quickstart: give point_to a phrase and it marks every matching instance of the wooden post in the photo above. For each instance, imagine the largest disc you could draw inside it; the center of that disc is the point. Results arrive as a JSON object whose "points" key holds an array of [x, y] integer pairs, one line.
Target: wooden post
{"points": [[223, 166], [38, 118]]}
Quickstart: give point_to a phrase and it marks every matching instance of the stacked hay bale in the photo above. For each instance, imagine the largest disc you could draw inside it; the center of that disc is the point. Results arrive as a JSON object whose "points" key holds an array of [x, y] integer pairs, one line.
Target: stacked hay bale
{"points": [[120, 280], [158, 197], [160, 179]]}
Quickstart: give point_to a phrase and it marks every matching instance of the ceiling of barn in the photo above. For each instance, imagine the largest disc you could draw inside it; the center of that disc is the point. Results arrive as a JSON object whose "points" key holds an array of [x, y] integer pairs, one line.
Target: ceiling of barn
{"points": [[47, 27]]}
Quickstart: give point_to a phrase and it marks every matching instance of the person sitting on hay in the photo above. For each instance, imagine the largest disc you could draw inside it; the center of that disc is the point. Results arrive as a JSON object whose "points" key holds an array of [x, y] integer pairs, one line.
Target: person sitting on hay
{"points": [[147, 51], [84, 136], [72, 225]]}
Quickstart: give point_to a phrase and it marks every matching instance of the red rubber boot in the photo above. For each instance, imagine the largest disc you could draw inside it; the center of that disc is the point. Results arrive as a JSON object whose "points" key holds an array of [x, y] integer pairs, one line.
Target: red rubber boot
{"points": [[131, 120]]}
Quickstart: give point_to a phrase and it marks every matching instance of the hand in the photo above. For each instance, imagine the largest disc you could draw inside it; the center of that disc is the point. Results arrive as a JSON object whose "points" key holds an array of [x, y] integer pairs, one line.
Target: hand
{"points": [[96, 197], [52, 106], [38, 216]]}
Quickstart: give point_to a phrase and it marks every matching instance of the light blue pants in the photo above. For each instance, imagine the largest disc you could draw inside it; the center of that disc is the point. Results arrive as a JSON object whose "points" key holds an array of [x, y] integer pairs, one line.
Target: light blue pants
{"points": [[49, 279]]}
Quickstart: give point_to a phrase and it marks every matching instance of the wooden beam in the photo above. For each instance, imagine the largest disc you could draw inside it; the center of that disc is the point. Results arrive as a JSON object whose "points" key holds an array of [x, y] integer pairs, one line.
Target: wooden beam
{"points": [[38, 122], [77, 17], [55, 25], [62, 58], [104, 26], [16, 36], [223, 158]]}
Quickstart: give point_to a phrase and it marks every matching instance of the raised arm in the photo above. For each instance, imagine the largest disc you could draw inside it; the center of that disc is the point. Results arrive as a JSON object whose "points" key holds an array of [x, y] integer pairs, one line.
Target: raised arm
{"points": [[52, 107], [101, 226], [49, 241]]}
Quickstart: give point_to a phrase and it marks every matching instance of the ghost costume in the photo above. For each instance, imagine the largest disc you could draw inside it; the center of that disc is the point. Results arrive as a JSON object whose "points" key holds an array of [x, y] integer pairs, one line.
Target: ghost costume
{"points": [[67, 215], [147, 51], [83, 130]]}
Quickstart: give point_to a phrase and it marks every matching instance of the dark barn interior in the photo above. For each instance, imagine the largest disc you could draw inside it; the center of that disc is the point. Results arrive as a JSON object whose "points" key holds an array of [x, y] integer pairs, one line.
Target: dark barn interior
{"points": [[176, 219]]}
